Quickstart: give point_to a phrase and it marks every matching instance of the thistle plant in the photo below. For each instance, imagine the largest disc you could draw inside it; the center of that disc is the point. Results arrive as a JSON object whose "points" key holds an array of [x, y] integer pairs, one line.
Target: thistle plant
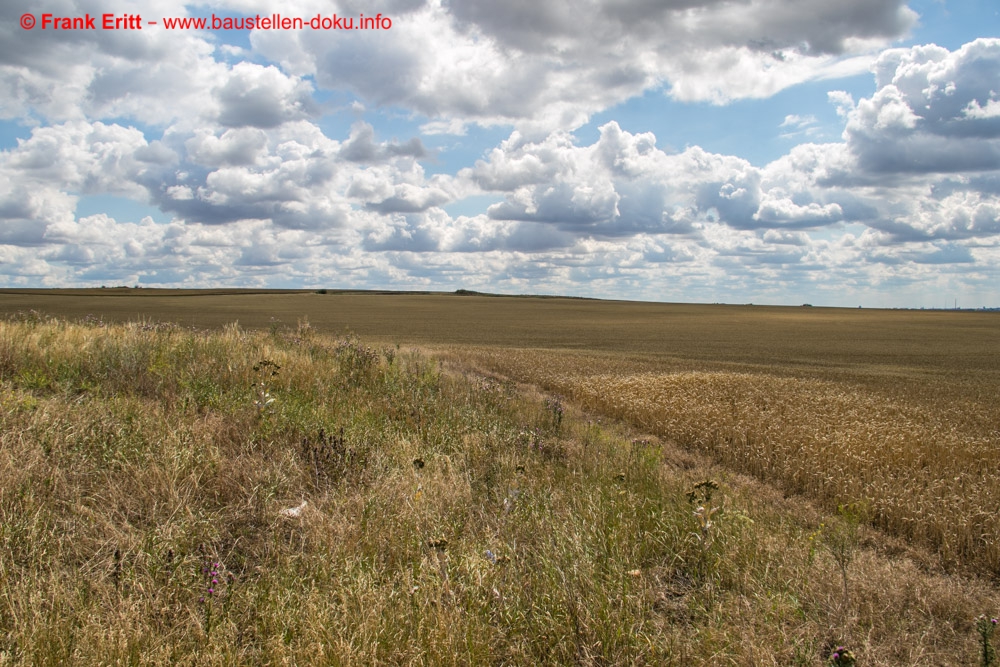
{"points": [[214, 585], [701, 495], [986, 627], [531, 438], [555, 409], [390, 354], [357, 361], [328, 457], [842, 657], [265, 369]]}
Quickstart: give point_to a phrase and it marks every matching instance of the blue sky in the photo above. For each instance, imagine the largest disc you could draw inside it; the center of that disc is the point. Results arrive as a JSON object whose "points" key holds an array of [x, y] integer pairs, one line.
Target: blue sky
{"points": [[769, 151]]}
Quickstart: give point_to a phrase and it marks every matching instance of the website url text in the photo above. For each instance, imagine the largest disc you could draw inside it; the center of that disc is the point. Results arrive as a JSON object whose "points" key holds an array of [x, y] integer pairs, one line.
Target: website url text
{"points": [[257, 22]]}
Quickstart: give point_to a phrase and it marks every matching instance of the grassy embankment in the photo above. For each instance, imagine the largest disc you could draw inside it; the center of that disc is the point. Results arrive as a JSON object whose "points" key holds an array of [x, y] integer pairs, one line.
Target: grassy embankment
{"points": [[449, 519], [916, 456]]}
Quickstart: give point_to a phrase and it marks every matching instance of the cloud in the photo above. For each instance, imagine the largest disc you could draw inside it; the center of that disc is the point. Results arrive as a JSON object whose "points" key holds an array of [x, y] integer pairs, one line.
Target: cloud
{"points": [[783, 211], [153, 76], [976, 111], [540, 66], [408, 198], [815, 26], [798, 122], [619, 186], [930, 113], [263, 97], [961, 215], [842, 100], [86, 157], [293, 175], [235, 147], [298, 178], [623, 185], [362, 147]]}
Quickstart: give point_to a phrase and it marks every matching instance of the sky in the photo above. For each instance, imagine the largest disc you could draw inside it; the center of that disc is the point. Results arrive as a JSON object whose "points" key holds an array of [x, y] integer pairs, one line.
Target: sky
{"points": [[737, 151]]}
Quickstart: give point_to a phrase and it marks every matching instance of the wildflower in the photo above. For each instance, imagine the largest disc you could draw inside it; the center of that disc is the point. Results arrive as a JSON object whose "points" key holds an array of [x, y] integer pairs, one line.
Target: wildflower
{"points": [[986, 627], [842, 657]]}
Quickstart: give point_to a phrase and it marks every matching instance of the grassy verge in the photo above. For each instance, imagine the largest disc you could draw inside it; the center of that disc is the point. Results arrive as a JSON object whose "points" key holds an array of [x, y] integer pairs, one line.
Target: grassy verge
{"points": [[918, 460], [440, 518]]}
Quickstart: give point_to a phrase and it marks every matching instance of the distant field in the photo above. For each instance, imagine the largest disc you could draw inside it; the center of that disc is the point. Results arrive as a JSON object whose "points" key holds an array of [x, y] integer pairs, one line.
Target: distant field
{"points": [[859, 342], [895, 410]]}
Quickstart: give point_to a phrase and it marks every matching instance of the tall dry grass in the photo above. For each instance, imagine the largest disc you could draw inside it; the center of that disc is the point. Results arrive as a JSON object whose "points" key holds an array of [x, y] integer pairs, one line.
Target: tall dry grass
{"points": [[144, 470]]}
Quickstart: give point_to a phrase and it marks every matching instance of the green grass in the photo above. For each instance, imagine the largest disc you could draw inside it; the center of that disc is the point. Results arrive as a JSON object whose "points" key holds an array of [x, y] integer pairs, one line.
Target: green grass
{"points": [[135, 456]]}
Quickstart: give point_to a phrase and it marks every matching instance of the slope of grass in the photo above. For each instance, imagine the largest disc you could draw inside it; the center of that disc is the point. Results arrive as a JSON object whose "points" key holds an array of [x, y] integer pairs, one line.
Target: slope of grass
{"points": [[448, 519], [922, 463]]}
